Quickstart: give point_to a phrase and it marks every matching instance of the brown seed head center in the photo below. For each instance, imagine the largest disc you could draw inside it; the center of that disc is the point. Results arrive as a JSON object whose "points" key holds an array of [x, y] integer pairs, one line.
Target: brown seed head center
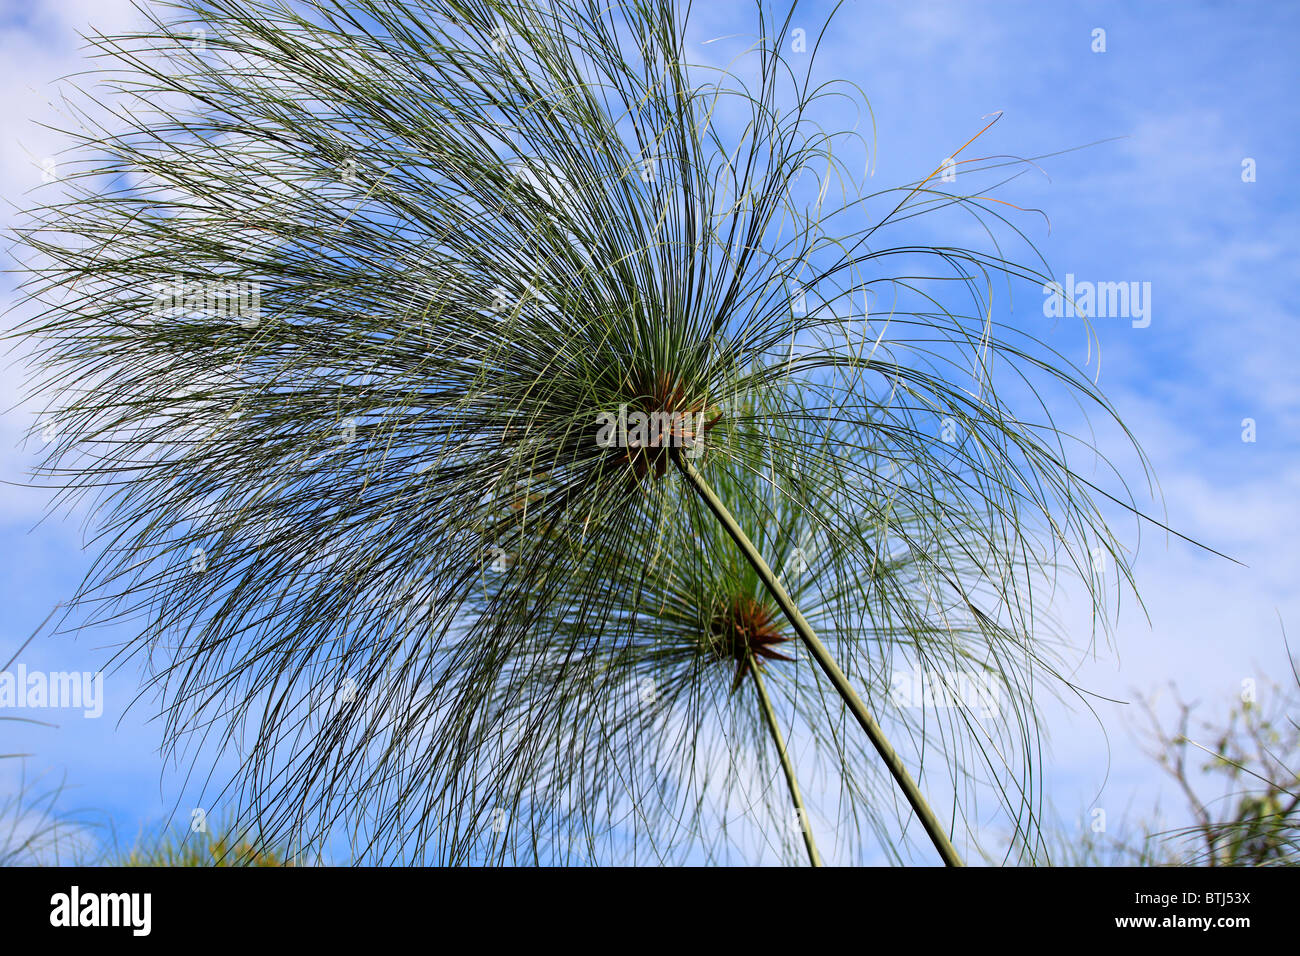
{"points": [[742, 629]]}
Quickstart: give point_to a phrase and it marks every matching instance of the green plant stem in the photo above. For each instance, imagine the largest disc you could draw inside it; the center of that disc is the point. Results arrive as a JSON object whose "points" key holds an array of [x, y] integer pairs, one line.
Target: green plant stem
{"points": [[815, 647], [770, 716]]}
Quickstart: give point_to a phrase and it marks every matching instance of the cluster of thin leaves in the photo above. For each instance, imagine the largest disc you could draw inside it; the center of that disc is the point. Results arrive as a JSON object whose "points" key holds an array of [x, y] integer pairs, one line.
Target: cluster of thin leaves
{"points": [[657, 705], [329, 300]]}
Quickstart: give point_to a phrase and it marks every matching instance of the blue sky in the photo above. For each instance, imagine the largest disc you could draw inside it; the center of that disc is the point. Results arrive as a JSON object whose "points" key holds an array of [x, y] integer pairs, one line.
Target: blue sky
{"points": [[1184, 92]]}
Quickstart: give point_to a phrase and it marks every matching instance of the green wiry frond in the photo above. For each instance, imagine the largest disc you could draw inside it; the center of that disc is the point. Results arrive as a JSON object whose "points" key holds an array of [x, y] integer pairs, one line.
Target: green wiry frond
{"points": [[330, 301], [650, 737]]}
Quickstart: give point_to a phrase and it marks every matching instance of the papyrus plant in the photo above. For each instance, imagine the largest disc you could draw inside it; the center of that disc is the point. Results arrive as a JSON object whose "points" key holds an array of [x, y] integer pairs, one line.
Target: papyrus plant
{"points": [[692, 729], [329, 296]]}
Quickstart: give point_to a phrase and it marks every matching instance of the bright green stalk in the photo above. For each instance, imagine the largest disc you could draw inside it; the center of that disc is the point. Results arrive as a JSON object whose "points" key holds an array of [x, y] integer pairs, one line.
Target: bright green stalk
{"points": [[770, 717], [868, 723]]}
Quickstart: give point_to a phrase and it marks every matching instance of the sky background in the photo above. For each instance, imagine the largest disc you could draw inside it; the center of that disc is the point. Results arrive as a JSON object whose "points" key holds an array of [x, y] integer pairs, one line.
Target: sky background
{"points": [[1184, 92]]}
